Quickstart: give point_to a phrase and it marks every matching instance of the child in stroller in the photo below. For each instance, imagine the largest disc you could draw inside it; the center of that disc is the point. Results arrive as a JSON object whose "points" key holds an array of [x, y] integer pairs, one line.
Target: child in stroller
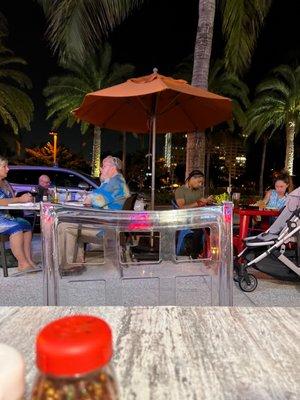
{"points": [[280, 245]]}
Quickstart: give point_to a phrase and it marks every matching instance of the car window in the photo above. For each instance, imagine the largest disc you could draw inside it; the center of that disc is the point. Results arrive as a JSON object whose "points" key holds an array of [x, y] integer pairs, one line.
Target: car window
{"points": [[58, 178], [65, 179], [23, 176]]}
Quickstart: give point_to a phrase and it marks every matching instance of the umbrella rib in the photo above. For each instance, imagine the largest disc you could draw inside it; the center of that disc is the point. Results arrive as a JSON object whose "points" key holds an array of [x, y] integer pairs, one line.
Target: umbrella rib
{"points": [[169, 105], [146, 109], [189, 118], [172, 105], [114, 112]]}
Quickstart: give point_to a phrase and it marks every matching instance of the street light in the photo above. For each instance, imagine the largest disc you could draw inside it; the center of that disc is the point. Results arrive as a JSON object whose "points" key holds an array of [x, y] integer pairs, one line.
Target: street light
{"points": [[54, 134]]}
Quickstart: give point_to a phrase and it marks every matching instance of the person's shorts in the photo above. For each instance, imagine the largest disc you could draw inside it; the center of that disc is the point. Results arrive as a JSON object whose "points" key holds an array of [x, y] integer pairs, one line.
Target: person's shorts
{"points": [[9, 226]]}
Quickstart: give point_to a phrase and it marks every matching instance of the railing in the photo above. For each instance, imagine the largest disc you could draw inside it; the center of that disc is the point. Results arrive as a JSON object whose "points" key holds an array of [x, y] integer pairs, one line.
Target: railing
{"points": [[116, 271]]}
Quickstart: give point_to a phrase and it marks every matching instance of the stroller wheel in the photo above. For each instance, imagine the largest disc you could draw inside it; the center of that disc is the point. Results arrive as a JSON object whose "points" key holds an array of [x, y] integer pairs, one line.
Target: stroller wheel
{"points": [[248, 284]]}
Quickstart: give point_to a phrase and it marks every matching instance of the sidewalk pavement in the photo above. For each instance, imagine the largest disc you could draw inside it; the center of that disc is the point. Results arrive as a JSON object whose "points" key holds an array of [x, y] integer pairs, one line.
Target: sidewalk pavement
{"points": [[28, 290]]}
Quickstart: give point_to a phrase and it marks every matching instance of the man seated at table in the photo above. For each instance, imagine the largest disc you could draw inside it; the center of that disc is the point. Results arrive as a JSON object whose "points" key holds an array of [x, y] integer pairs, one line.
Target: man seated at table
{"points": [[113, 191], [43, 187], [190, 195], [111, 194]]}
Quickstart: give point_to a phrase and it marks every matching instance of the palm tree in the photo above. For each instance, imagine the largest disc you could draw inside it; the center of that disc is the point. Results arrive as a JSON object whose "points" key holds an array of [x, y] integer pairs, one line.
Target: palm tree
{"points": [[241, 24], [227, 84], [195, 149], [16, 107], [43, 155], [222, 82], [277, 105], [76, 28], [65, 93]]}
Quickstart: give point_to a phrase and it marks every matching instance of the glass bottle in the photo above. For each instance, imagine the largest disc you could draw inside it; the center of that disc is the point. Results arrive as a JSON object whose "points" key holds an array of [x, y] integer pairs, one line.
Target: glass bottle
{"points": [[55, 195], [68, 196], [12, 373], [72, 355]]}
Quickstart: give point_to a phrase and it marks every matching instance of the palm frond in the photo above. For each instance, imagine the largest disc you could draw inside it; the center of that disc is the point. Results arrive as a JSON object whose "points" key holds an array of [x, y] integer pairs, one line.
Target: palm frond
{"points": [[76, 28], [277, 102], [9, 59], [17, 77], [65, 93], [16, 106], [8, 119], [3, 26], [241, 23], [119, 73], [285, 73]]}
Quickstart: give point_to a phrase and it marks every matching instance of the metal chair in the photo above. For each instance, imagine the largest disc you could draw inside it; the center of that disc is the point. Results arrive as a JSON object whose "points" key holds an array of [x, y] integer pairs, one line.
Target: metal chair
{"points": [[3, 239], [84, 239], [181, 234]]}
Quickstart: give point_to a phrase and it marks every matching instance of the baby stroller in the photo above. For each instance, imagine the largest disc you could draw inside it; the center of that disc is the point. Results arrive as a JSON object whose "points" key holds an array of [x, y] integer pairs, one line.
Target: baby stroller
{"points": [[275, 252]]}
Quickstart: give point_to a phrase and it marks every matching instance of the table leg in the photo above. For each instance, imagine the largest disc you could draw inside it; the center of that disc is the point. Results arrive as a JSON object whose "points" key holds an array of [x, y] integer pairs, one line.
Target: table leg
{"points": [[244, 227]]}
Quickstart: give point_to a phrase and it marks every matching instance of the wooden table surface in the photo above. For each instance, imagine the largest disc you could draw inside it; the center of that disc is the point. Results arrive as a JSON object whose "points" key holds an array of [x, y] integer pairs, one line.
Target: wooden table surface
{"points": [[183, 353]]}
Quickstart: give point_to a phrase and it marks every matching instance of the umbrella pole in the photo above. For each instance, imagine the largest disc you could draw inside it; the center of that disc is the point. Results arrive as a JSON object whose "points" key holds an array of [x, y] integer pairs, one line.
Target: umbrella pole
{"points": [[153, 161], [153, 127]]}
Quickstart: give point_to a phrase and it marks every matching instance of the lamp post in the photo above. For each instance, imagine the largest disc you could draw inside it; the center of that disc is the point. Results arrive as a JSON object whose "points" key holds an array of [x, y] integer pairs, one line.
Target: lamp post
{"points": [[54, 134]]}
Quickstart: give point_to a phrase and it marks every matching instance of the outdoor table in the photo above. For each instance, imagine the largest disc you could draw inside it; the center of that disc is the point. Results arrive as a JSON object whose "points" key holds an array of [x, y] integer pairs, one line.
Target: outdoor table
{"points": [[21, 206], [24, 207], [245, 217], [184, 352]]}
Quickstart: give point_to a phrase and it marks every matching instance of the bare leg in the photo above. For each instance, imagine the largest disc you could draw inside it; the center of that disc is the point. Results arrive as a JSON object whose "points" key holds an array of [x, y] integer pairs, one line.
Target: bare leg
{"points": [[17, 247], [27, 247], [68, 235]]}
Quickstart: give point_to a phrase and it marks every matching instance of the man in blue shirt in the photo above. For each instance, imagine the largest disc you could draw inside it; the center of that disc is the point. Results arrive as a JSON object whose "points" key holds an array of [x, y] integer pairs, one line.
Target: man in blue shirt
{"points": [[113, 191], [111, 194]]}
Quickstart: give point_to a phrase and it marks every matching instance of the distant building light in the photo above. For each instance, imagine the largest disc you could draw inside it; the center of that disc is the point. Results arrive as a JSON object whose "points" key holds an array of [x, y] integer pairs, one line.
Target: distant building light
{"points": [[241, 160]]}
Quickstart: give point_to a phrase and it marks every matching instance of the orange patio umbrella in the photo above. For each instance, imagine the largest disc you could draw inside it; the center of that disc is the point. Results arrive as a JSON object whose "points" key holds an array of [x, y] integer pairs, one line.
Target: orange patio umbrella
{"points": [[154, 104]]}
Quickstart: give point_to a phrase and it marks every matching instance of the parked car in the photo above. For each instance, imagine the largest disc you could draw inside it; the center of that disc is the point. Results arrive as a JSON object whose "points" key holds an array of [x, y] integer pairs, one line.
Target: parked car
{"points": [[24, 177]]}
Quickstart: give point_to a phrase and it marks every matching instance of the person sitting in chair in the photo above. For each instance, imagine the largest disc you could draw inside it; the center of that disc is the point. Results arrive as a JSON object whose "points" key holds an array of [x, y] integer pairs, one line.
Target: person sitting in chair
{"points": [[292, 204], [113, 191], [43, 187], [190, 196], [18, 229], [111, 194]]}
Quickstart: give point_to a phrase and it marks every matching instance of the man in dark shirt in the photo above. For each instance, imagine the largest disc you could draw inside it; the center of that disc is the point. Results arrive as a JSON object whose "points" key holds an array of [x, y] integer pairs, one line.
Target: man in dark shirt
{"points": [[43, 187]]}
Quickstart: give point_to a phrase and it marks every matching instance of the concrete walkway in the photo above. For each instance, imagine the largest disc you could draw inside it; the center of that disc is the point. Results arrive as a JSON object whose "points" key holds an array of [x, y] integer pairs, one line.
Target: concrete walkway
{"points": [[28, 290]]}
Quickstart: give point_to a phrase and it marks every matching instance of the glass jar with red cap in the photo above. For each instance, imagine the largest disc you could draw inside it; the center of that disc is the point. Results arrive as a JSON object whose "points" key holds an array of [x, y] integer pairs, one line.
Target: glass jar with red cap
{"points": [[72, 355]]}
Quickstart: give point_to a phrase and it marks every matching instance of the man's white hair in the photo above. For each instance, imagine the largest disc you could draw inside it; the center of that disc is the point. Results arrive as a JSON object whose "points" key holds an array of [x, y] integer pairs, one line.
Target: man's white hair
{"points": [[115, 161]]}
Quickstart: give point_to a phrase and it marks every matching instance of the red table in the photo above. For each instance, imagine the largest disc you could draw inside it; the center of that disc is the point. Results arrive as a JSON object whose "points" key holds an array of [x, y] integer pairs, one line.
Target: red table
{"points": [[245, 218]]}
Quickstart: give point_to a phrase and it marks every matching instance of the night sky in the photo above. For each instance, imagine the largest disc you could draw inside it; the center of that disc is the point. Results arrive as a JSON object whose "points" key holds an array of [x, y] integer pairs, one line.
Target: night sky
{"points": [[166, 30]]}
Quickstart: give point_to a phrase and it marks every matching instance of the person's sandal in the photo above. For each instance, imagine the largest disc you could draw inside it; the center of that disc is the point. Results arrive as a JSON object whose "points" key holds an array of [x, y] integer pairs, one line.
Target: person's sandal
{"points": [[27, 270]]}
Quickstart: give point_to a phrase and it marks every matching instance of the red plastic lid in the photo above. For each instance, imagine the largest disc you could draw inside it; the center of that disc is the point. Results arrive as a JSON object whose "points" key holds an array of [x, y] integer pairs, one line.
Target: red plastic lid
{"points": [[73, 345]]}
